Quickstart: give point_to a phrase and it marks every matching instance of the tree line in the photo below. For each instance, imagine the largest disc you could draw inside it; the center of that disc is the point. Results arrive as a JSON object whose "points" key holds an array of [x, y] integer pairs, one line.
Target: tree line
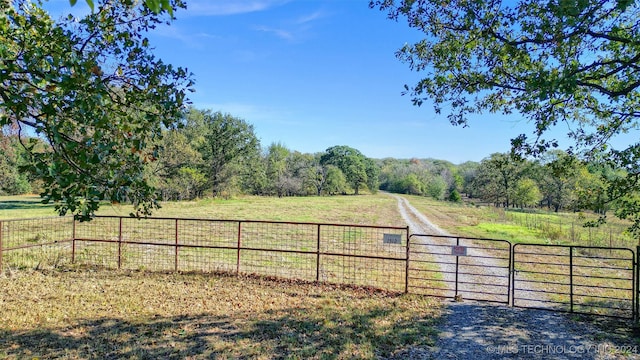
{"points": [[216, 154], [556, 181]]}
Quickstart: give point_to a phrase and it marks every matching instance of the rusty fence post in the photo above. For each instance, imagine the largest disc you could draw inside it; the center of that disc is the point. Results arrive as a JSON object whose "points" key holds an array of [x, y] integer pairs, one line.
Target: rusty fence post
{"points": [[73, 240], [406, 266], [120, 243], [175, 265], [239, 244], [570, 278], [318, 255]]}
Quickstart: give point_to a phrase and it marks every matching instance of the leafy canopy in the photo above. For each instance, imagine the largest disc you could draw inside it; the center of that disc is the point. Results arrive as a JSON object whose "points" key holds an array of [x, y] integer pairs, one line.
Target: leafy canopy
{"points": [[92, 89], [551, 62]]}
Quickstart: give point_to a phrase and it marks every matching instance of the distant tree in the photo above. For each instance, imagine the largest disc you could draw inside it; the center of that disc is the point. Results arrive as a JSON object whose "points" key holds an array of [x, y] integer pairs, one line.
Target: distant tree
{"points": [[437, 188], [336, 182], [557, 176], [468, 172], [373, 173], [526, 193], [12, 180], [496, 178], [178, 158], [228, 142], [351, 162], [276, 168], [454, 196]]}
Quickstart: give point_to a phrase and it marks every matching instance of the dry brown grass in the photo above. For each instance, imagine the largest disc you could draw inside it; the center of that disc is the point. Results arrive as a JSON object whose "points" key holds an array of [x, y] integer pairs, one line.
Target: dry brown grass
{"points": [[98, 314]]}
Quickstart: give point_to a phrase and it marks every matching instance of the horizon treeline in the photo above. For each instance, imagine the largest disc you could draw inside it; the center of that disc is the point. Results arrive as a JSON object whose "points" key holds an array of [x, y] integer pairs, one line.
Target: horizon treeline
{"points": [[219, 155]]}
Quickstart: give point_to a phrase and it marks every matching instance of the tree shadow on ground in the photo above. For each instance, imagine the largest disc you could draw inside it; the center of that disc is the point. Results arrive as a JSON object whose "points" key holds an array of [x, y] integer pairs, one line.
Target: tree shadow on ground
{"points": [[483, 331], [288, 333], [23, 204]]}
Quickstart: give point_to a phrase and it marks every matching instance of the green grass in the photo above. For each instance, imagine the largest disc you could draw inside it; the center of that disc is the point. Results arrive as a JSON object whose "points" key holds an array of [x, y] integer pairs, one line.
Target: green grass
{"points": [[135, 315], [517, 226], [376, 209]]}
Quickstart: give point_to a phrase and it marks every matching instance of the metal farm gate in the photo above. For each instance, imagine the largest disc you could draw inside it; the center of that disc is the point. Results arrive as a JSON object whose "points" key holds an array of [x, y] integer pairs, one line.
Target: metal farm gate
{"points": [[577, 279], [458, 267]]}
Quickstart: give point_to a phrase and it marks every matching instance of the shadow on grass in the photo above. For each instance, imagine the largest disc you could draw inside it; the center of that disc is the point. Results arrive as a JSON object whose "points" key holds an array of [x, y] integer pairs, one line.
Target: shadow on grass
{"points": [[26, 204], [289, 333]]}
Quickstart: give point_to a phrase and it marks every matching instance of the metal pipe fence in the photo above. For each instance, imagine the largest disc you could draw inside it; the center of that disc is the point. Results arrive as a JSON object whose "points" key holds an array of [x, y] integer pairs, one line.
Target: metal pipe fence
{"points": [[333, 253], [570, 278]]}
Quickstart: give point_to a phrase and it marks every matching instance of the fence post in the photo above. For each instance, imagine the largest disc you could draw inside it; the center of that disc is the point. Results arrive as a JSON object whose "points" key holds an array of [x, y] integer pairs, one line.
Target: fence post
{"points": [[239, 243], [570, 278], [318, 255], [120, 243], [175, 265], [457, 266], [73, 240], [406, 269], [510, 272]]}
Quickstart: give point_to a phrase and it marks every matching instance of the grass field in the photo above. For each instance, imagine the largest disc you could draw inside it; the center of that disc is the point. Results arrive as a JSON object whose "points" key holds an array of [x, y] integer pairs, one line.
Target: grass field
{"points": [[97, 314], [376, 209], [516, 226], [79, 312], [76, 312]]}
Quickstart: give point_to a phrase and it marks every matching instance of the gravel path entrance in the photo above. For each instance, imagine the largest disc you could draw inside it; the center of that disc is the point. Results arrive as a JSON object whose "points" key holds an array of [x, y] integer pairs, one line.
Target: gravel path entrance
{"points": [[480, 330]]}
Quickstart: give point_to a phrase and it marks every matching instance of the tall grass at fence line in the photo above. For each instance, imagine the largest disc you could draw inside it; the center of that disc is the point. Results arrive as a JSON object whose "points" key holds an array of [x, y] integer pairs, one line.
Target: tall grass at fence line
{"points": [[531, 225]]}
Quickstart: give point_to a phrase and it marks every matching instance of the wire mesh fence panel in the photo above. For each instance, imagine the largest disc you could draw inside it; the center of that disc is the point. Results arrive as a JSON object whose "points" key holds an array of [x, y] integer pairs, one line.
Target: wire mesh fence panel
{"points": [[207, 260], [209, 246], [102, 254], [363, 256], [38, 257], [149, 257], [364, 241], [150, 230], [35, 243], [279, 236], [25, 232], [285, 265], [98, 229], [386, 274]]}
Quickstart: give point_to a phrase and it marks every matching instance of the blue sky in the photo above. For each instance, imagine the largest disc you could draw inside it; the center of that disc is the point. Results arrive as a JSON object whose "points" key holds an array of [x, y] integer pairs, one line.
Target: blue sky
{"points": [[316, 73]]}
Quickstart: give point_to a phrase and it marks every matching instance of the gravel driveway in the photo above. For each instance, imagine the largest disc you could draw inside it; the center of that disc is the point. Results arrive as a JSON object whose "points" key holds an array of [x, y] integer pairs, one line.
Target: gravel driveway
{"points": [[481, 330]]}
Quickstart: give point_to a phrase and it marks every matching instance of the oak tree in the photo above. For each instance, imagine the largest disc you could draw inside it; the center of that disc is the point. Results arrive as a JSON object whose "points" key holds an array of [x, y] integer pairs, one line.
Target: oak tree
{"points": [[93, 90]]}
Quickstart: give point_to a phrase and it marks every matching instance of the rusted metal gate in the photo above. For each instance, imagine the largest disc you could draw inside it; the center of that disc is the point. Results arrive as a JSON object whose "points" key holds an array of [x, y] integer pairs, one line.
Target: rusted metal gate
{"points": [[459, 267], [576, 279]]}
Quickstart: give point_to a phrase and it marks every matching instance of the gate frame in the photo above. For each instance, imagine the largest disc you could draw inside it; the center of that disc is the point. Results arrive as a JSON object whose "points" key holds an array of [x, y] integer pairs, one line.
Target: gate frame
{"points": [[635, 272], [509, 267]]}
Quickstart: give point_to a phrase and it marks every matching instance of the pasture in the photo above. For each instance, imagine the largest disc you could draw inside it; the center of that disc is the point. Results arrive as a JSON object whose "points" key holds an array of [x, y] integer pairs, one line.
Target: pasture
{"points": [[78, 311]]}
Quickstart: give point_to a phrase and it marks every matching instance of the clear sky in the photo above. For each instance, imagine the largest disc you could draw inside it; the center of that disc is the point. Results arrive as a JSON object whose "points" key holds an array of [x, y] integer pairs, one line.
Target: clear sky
{"points": [[316, 73]]}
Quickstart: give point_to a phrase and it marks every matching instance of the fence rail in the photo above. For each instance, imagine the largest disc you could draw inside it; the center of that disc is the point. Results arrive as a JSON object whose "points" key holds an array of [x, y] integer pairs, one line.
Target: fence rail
{"points": [[577, 279]]}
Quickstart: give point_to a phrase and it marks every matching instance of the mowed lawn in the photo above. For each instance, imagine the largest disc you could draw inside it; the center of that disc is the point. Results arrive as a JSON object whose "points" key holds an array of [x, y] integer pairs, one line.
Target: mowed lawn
{"points": [[80, 313]]}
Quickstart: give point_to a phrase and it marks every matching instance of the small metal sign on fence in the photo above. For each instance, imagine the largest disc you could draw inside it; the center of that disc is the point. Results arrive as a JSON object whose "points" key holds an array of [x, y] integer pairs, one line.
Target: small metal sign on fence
{"points": [[391, 238], [459, 250]]}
